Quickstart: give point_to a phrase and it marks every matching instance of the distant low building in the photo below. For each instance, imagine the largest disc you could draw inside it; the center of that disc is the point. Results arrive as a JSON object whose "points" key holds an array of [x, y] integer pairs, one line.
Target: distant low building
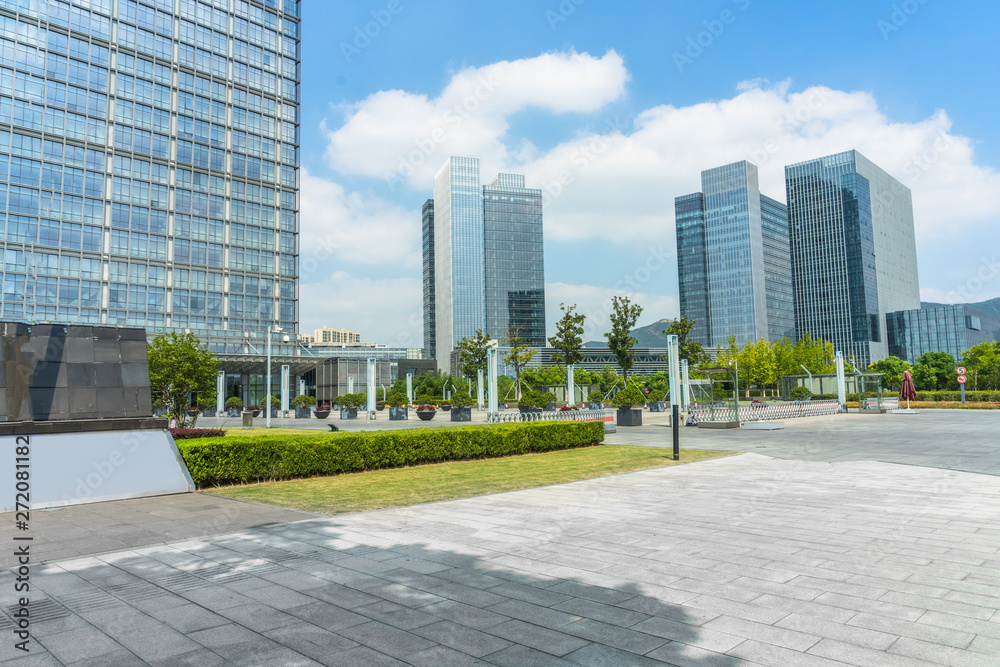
{"points": [[328, 336], [948, 328]]}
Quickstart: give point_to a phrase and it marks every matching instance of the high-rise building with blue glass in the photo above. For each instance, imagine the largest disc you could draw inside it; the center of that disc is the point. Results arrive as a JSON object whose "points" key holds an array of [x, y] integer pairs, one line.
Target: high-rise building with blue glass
{"points": [[149, 164], [733, 259], [483, 254], [853, 252]]}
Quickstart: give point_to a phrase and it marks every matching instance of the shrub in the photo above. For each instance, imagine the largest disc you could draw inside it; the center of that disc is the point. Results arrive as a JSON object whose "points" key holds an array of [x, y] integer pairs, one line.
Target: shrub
{"points": [[595, 397], [461, 400], [190, 433], [275, 402], [533, 399], [397, 399], [234, 402], [303, 401], [656, 395], [800, 394], [628, 397], [240, 459], [351, 400]]}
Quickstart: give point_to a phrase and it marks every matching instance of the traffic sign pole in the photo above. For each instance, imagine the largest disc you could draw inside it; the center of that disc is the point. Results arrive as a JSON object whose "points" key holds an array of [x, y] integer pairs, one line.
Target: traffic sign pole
{"points": [[961, 381]]}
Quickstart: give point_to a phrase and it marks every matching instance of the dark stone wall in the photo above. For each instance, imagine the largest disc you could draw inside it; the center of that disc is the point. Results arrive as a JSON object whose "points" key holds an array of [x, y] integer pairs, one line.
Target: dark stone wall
{"points": [[52, 372]]}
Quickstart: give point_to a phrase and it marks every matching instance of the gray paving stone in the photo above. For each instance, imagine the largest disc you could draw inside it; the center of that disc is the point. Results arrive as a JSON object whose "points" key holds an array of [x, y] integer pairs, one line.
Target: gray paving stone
{"points": [[536, 637], [524, 656], [79, 644], [853, 654], [602, 612], [386, 639], [442, 656], [598, 655], [711, 640], [632, 641], [740, 627], [944, 655], [775, 656], [473, 642]]}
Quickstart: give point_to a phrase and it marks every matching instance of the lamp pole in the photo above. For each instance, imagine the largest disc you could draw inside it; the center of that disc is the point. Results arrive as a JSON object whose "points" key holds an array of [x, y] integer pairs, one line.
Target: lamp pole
{"points": [[267, 389]]}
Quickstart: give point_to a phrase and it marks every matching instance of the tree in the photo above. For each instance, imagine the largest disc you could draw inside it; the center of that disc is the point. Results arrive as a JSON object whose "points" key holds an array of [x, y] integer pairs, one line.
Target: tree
{"points": [[472, 354], [691, 350], [933, 371], [620, 339], [180, 366], [568, 341], [892, 369], [761, 365], [520, 354], [982, 362]]}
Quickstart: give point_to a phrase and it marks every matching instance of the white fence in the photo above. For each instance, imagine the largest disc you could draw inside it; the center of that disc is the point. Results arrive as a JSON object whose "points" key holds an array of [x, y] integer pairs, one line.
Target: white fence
{"points": [[765, 411], [552, 416]]}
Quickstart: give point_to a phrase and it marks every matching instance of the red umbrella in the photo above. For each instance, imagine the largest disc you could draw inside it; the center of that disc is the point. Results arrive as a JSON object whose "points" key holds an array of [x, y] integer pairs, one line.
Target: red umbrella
{"points": [[907, 391]]}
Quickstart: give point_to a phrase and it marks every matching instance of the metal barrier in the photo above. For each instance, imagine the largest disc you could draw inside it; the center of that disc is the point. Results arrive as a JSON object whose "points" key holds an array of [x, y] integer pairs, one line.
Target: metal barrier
{"points": [[766, 411], [551, 416]]}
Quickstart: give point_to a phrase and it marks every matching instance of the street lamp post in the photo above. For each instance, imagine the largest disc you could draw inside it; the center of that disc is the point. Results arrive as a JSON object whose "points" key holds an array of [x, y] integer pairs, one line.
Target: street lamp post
{"points": [[267, 398]]}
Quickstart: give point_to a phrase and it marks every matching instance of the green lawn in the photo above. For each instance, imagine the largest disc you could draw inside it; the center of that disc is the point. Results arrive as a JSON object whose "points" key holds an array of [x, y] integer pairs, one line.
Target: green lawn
{"points": [[378, 489]]}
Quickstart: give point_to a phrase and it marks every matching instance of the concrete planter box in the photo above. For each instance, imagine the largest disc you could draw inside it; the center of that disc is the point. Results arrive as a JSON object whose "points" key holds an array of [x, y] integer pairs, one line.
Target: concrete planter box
{"points": [[461, 414], [630, 417], [657, 406], [208, 413], [398, 414], [348, 413], [303, 413], [595, 406], [233, 412]]}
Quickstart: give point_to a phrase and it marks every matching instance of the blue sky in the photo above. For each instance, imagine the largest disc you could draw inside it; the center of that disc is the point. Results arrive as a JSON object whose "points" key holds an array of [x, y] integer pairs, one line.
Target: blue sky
{"points": [[627, 103]]}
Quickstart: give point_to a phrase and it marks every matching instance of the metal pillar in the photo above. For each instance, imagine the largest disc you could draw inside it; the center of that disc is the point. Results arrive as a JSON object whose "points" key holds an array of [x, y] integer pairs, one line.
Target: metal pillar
{"points": [[409, 387], [220, 392], [673, 362], [685, 386], [370, 407], [841, 383], [479, 389], [350, 384], [302, 387], [570, 385], [285, 379], [491, 370], [267, 384]]}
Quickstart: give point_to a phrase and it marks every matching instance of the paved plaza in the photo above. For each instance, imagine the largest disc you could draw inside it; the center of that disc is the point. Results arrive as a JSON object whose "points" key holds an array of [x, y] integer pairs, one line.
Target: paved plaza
{"points": [[819, 557]]}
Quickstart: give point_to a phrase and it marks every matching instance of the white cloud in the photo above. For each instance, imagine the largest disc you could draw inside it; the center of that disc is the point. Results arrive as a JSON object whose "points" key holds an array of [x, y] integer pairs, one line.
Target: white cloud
{"points": [[386, 311], [402, 136], [595, 303], [340, 227]]}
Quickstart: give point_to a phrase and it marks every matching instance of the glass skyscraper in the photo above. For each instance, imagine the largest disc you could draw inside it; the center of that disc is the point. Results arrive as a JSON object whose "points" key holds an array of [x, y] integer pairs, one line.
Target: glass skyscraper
{"points": [[149, 164], [853, 252], [515, 260], [427, 247], [732, 249], [487, 263]]}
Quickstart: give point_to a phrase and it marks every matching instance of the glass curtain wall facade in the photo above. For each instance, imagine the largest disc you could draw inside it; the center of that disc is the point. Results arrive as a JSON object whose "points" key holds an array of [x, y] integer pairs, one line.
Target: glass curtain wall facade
{"points": [[735, 253], [692, 265], [514, 260], [948, 328], [427, 246], [733, 258], [151, 179], [777, 270], [836, 267], [458, 255]]}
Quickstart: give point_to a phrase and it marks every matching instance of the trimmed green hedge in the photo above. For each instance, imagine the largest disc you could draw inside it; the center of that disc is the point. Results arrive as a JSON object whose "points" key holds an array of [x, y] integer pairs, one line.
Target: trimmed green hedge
{"points": [[239, 459]]}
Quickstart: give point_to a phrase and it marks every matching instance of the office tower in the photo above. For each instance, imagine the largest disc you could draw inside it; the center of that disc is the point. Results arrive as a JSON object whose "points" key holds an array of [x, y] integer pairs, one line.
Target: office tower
{"points": [[733, 259], [458, 255], [514, 260], [151, 180], [427, 247], [854, 255], [483, 259]]}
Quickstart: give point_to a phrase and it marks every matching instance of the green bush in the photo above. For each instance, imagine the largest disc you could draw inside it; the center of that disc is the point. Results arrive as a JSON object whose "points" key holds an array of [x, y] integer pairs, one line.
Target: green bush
{"points": [[627, 398], [397, 398], [351, 400], [800, 394], [533, 399], [234, 402], [240, 459], [595, 397], [275, 402], [461, 400], [303, 401]]}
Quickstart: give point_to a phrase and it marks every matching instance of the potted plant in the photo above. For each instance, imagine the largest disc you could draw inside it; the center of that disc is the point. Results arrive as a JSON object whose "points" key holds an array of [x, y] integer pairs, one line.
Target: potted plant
{"points": [[302, 404], [426, 411], [397, 407], [531, 401], [625, 400], [461, 407], [192, 411], [446, 404], [655, 400], [595, 401], [349, 405], [207, 407], [550, 401], [323, 411], [801, 394], [234, 404], [253, 410], [274, 403]]}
